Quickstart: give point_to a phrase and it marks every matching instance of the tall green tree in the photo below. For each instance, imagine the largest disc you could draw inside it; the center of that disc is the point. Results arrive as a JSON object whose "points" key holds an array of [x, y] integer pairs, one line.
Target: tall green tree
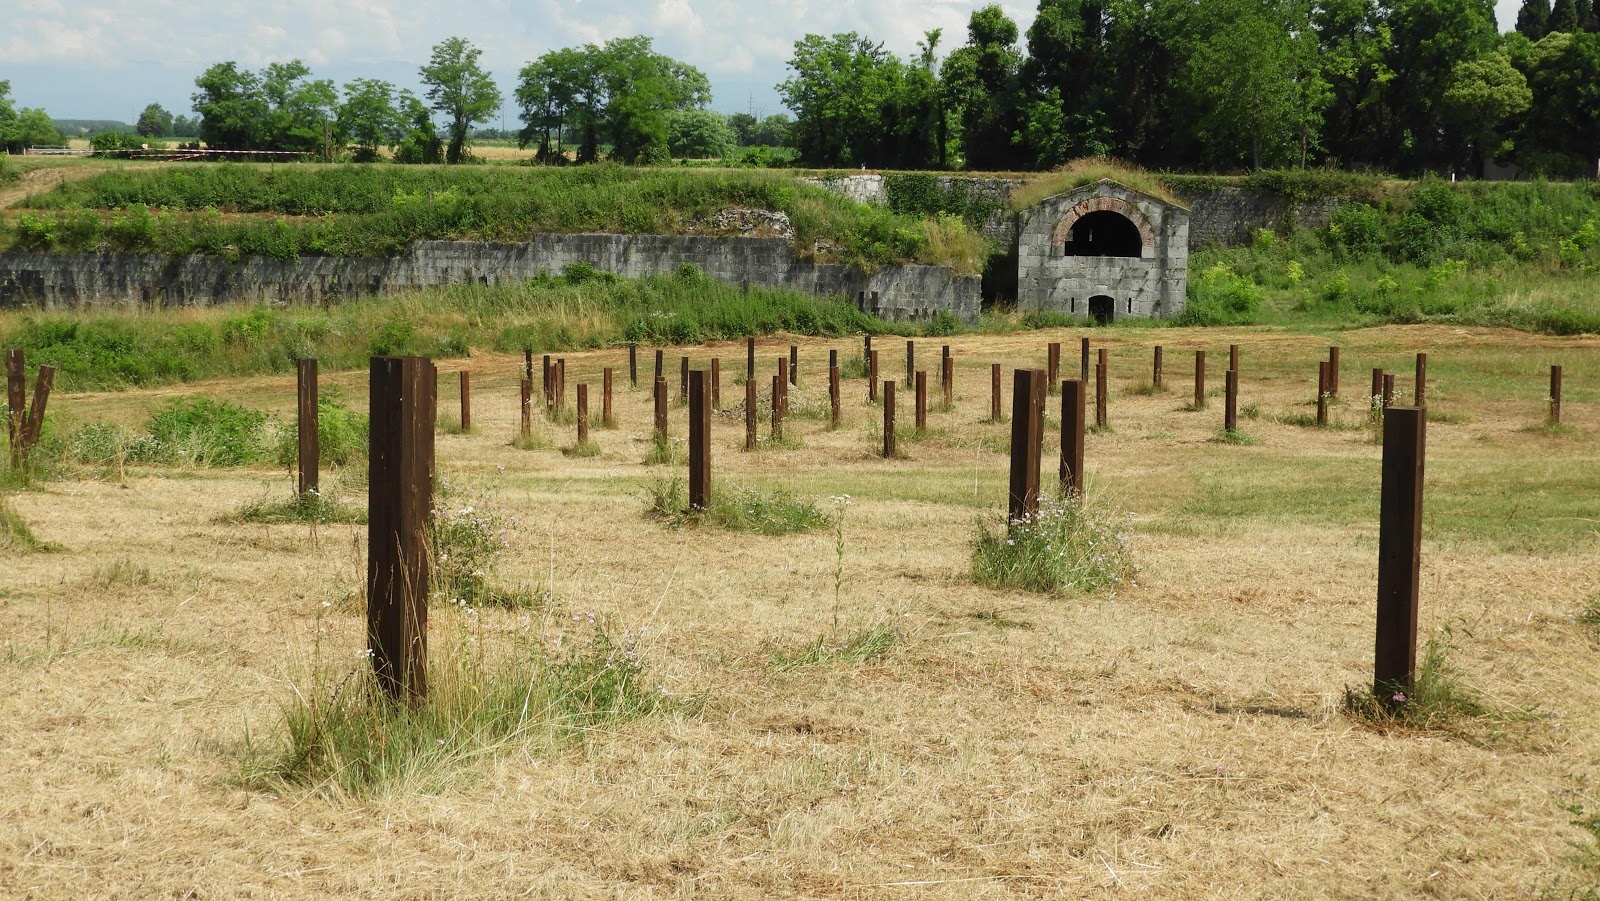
{"points": [[982, 83], [301, 111], [154, 122], [1067, 76], [1562, 126], [1354, 41], [839, 94], [1533, 19], [420, 144], [1480, 102], [461, 90], [1429, 38], [368, 117], [700, 134], [231, 107], [1564, 17]]}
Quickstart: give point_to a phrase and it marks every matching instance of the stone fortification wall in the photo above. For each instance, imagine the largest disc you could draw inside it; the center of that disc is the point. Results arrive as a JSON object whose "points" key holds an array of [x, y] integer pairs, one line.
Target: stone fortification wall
{"points": [[44, 280]]}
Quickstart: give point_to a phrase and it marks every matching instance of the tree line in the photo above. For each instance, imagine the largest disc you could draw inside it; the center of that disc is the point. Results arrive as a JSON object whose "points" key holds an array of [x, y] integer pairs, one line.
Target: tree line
{"points": [[1403, 86]]}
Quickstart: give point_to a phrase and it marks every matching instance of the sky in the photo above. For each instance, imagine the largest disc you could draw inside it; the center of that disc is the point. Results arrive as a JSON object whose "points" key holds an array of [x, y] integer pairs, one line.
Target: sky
{"points": [[107, 59]]}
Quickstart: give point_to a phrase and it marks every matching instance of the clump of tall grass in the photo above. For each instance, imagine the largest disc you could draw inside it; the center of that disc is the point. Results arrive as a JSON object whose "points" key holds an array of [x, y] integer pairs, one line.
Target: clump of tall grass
{"points": [[15, 534], [341, 433], [1068, 548], [199, 431], [1083, 171], [736, 508], [862, 646], [302, 507], [467, 536], [534, 690], [1438, 702]]}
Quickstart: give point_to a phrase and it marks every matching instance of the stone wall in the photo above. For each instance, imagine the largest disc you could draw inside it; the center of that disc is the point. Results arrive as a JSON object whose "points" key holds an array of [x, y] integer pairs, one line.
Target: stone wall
{"points": [[46, 280], [1000, 227]]}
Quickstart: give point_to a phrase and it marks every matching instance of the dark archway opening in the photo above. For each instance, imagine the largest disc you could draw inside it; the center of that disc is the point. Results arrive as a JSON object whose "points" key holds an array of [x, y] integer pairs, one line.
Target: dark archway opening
{"points": [[1102, 309], [1103, 233]]}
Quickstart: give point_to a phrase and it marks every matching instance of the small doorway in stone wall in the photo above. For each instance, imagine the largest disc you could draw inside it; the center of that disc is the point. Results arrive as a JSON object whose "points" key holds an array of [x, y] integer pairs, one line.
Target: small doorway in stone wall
{"points": [[1102, 309]]}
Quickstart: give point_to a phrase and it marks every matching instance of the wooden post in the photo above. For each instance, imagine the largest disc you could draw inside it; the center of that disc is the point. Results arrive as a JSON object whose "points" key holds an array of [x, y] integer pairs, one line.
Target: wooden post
{"points": [[41, 398], [780, 395], [661, 410], [1199, 380], [699, 441], [1333, 372], [1323, 370], [1102, 391], [994, 392], [561, 384], [1027, 436], [888, 419], [1155, 371], [17, 400], [750, 359], [911, 361], [949, 384], [750, 414], [922, 401], [527, 363], [547, 383], [866, 347], [1421, 399], [401, 406], [1074, 411], [716, 383], [1233, 357], [466, 400], [1230, 415], [1388, 391], [1052, 361], [1555, 395], [1375, 398], [872, 377], [527, 408], [777, 406], [660, 363], [794, 364], [633, 365], [607, 418], [1083, 374], [833, 388], [1399, 551], [583, 413], [306, 424], [683, 380]]}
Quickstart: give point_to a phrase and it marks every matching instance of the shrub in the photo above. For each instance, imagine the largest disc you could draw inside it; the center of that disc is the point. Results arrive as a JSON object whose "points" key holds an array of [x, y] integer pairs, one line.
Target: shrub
{"points": [[1068, 547], [466, 538], [1219, 296], [203, 432], [341, 433]]}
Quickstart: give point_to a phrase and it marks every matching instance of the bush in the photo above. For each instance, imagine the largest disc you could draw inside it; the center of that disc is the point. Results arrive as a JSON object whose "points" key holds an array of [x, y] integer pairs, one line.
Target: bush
{"points": [[203, 432], [466, 538], [736, 509], [1219, 296], [1066, 548], [341, 433]]}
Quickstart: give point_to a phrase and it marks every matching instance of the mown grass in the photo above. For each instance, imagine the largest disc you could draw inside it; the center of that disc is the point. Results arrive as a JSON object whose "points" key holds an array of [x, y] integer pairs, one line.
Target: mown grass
{"points": [[352, 210]]}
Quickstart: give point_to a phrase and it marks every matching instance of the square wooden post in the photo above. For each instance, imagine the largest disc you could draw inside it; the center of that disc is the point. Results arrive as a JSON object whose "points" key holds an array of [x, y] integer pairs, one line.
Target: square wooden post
{"points": [[1375, 398], [922, 402], [1027, 443], [561, 384], [306, 424], [547, 384], [399, 501], [1399, 552], [607, 417], [794, 364], [1421, 398], [633, 365], [1388, 391], [41, 398], [683, 380], [17, 400], [1230, 411], [911, 361], [834, 399], [716, 383], [1333, 371], [661, 359], [872, 377], [1233, 357], [699, 441], [1074, 412], [750, 418], [1199, 380], [1155, 370], [466, 400], [777, 407], [1052, 361], [750, 359], [995, 411], [1102, 389], [661, 409], [888, 420], [583, 413], [1323, 377], [780, 394], [1555, 395], [527, 408], [1083, 374], [527, 363]]}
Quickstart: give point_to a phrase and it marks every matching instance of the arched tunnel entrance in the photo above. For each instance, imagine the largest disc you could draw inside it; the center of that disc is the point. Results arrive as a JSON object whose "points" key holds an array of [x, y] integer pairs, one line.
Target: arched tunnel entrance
{"points": [[1104, 233], [1102, 309]]}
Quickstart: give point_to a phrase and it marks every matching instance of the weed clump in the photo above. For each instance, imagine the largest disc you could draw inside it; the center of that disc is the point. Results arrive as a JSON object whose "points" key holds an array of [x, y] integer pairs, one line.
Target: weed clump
{"points": [[1438, 703], [341, 433], [15, 535], [308, 507], [466, 538], [736, 509], [860, 647], [1067, 548]]}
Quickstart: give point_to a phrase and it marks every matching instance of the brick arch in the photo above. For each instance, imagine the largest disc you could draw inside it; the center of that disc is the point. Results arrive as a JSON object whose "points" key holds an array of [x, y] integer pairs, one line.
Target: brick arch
{"points": [[1147, 235]]}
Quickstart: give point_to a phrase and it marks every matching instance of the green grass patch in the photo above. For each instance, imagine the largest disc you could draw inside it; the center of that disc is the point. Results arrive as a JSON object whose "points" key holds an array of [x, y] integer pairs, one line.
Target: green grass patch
{"points": [[1438, 702], [1067, 548], [863, 646], [582, 449], [734, 508], [309, 507], [1234, 436], [15, 535]]}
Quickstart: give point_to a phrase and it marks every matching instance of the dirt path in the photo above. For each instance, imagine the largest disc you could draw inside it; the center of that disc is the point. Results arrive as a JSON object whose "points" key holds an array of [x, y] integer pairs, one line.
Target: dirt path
{"points": [[36, 180]]}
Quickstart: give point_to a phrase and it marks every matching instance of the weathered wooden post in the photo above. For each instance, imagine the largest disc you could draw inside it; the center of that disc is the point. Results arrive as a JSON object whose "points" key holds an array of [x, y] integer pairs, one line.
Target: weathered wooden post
{"points": [[1102, 390], [17, 400], [1233, 357], [716, 383], [1555, 395], [780, 396], [1230, 414], [872, 377], [1074, 411], [607, 418], [1027, 437], [661, 410], [911, 362], [1199, 380], [866, 347], [41, 398], [750, 414], [888, 420], [1375, 398], [583, 414], [1052, 361], [660, 363], [561, 384], [1083, 374], [633, 365], [1421, 399], [922, 402], [1333, 371], [527, 363], [1155, 370], [1388, 391], [547, 383], [1323, 376], [750, 359], [794, 364], [834, 398], [777, 406], [1399, 552], [994, 392], [527, 408], [401, 407], [699, 441], [306, 424], [683, 380], [466, 400]]}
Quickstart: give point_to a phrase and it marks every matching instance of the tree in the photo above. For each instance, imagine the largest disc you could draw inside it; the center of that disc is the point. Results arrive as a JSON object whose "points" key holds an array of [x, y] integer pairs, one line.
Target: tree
{"points": [[8, 119], [1429, 38], [1353, 40], [1533, 19], [154, 122], [421, 142], [776, 130], [744, 126], [301, 110], [981, 83], [1562, 127], [700, 134], [231, 108], [1564, 17], [35, 129], [368, 117], [1482, 96], [185, 127], [461, 90]]}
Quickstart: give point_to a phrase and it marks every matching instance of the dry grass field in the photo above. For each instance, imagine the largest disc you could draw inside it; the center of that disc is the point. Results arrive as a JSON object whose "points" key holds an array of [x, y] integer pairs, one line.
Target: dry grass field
{"points": [[1179, 737]]}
